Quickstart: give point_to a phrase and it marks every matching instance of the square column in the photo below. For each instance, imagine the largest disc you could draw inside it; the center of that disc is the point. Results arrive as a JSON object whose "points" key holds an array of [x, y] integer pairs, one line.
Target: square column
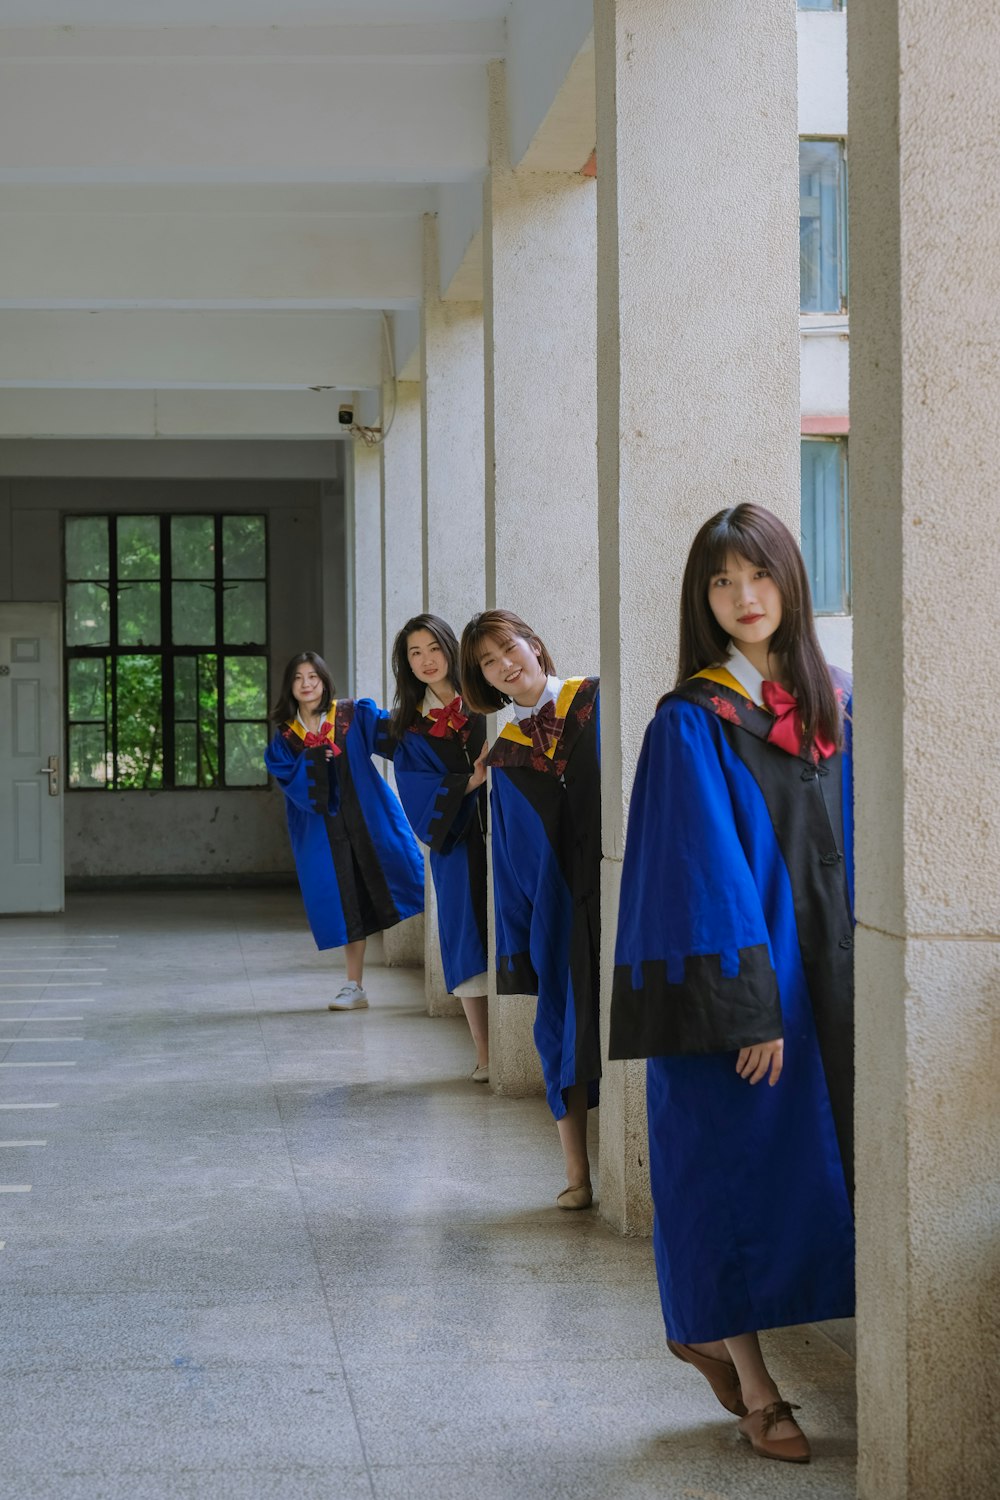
{"points": [[539, 252], [366, 652], [697, 188], [402, 587], [925, 452], [451, 355]]}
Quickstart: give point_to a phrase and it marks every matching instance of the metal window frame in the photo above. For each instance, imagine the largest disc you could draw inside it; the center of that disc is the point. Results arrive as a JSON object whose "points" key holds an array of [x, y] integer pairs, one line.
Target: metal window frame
{"points": [[167, 650]]}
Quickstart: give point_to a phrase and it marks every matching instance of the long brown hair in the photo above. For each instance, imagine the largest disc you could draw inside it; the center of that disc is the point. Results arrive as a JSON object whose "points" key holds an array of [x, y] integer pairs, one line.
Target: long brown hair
{"points": [[286, 707], [750, 532], [500, 625], [410, 690]]}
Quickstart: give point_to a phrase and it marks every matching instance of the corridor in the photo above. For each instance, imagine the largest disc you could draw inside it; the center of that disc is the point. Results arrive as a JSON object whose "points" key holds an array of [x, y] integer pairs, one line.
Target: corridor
{"points": [[253, 1250]]}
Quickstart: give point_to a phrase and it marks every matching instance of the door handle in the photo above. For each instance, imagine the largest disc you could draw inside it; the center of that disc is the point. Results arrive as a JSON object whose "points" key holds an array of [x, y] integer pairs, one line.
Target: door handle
{"points": [[52, 772]]}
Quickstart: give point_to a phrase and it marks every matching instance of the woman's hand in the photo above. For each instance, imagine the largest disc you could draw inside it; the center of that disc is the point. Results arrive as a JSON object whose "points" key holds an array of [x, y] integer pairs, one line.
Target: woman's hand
{"points": [[478, 776], [753, 1062]]}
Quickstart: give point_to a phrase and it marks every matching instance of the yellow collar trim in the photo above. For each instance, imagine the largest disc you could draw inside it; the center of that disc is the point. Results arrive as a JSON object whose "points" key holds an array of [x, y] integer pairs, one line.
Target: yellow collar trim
{"points": [[567, 693], [328, 718], [725, 679]]}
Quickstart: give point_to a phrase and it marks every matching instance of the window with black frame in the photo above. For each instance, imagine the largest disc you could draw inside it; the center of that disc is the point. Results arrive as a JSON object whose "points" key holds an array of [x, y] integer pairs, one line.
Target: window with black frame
{"points": [[166, 651]]}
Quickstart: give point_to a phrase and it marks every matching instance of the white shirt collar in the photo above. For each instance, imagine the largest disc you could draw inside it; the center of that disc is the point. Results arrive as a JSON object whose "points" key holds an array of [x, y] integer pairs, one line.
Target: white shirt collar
{"points": [[746, 674], [431, 700], [550, 693]]}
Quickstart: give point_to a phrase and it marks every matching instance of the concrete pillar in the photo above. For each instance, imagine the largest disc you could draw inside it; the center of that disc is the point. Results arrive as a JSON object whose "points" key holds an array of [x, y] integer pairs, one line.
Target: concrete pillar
{"points": [[451, 345], [925, 453], [539, 253], [402, 584], [697, 374], [366, 651]]}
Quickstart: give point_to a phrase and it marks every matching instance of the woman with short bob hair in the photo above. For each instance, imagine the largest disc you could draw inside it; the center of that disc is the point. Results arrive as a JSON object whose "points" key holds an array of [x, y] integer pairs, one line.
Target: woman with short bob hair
{"points": [[441, 748], [358, 864], [546, 839], [733, 970]]}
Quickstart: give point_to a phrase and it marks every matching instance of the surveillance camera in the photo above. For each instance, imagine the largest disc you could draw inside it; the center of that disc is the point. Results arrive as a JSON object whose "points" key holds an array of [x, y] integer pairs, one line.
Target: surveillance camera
{"points": [[345, 416]]}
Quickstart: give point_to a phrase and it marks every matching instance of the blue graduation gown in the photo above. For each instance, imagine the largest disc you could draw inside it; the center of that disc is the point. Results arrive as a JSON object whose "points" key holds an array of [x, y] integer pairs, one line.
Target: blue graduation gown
{"points": [[432, 776], [546, 831], [359, 867], [735, 927]]}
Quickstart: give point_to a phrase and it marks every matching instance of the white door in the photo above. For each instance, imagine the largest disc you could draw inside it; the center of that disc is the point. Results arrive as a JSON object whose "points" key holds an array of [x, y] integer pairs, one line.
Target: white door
{"points": [[31, 749]]}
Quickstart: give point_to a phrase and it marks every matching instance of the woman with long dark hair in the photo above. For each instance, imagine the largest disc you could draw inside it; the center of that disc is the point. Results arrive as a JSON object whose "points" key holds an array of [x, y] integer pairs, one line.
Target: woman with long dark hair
{"points": [[359, 867], [546, 838], [441, 778], [733, 970]]}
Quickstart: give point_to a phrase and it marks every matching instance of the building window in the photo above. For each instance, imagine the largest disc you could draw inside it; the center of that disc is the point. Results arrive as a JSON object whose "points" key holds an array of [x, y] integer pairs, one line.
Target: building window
{"points": [[166, 651], [820, 4], [822, 227], [825, 530]]}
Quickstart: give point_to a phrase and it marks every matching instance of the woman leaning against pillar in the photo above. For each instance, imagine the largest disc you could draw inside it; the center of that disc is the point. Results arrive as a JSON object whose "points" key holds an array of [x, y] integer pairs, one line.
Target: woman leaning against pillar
{"points": [[733, 970]]}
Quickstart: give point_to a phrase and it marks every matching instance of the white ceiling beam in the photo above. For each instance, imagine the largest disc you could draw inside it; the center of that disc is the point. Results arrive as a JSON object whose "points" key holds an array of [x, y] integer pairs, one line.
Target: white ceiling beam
{"points": [[208, 350], [551, 97], [170, 414], [421, 41], [316, 120], [151, 260]]}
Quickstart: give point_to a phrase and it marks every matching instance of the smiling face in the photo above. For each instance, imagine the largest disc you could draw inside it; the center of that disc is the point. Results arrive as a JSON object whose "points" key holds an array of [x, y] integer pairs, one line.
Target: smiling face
{"points": [[746, 602], [513, 666], [307, 687], [428, 663]]}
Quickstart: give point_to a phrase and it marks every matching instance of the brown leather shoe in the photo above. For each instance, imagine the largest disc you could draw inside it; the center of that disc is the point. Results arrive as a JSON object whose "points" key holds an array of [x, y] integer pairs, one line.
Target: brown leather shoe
{"points": [[720, 1374], [756, 1428]]}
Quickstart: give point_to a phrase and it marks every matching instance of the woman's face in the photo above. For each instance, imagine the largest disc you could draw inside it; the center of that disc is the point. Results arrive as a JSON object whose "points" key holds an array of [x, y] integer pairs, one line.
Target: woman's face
{"points": [[428, 662], [307, 686], [512, 666], [745, 600]]}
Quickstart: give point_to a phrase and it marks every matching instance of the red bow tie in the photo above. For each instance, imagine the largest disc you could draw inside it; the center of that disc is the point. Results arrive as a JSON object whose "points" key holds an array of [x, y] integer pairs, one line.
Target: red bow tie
{"points": [[786, 731], [311, 740], [447, 720], [542, 728]]}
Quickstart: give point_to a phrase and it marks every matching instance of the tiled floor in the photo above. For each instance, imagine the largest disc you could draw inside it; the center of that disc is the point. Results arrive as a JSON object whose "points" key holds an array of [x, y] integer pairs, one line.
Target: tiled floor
{"points": [[273, 1253]]}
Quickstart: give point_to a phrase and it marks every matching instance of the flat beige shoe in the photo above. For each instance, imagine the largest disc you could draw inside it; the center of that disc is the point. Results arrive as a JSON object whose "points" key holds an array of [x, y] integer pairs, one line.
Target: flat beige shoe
{"points": [[578, 1197], [757, 1425]]}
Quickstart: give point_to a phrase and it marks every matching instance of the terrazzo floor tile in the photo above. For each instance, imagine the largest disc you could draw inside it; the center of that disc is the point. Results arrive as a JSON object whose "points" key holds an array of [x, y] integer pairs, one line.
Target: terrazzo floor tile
{"points": [[275, 1253]]}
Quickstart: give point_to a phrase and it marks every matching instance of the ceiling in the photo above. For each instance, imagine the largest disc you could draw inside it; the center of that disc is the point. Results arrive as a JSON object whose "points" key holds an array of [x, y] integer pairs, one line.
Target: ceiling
{"points": [[195, 199]]}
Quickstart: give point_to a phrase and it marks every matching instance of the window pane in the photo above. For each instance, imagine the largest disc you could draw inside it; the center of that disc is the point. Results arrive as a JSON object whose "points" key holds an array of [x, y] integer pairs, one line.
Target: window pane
{"points": [[821, 4], [186, 754], [208, 721], [192, 546], [824, 524], [194, 614], [87, 547], [139, 614], [245, 754], [138, 547], [821, 226], [88, 615], [139, 709], [244, 618], [243, 547], [245, 679], [87, 758], [185, 687], [85, 686]]}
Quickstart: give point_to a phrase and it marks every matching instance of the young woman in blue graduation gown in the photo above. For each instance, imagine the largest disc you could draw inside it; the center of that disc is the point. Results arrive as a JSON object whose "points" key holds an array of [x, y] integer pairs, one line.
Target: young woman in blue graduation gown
{"points": [[733, 969], [359, 867], [546, 839], [440, 754]]}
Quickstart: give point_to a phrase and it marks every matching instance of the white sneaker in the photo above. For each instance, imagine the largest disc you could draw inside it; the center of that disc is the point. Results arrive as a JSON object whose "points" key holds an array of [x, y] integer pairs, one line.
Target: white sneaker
{"points": [[350, 996], [482, 1073]]}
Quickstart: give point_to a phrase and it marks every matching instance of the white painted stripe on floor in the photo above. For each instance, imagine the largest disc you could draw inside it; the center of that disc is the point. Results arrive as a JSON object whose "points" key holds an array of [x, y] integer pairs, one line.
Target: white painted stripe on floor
{"points": [[39, 1020], [48, 969], [38, 1041], [38, 1065], [84, 984], [29, 1106], [17, 1187], [55, 1000], [9, 1145]]}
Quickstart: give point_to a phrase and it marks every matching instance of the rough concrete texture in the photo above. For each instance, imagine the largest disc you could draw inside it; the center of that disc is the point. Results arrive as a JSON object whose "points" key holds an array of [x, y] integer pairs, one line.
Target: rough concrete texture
{"points": [[925, 231], [697, 360], [626, 1201], [454, 473], [125, 834], [541, 476], [274, 1252], [367, 655], [402, 524]]}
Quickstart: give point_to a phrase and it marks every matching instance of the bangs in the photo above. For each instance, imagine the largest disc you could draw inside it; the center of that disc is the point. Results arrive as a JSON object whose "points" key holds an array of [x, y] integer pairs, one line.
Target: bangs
{"points": [[733, 536]]}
